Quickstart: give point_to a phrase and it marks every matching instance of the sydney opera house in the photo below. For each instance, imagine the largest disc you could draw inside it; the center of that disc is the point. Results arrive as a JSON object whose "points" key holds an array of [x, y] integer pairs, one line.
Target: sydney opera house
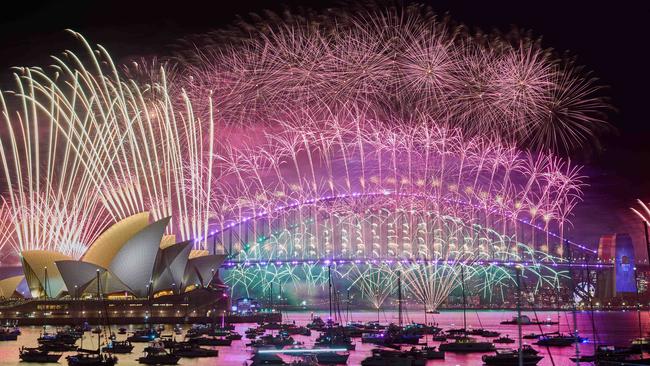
{"points": [[132, 271]]}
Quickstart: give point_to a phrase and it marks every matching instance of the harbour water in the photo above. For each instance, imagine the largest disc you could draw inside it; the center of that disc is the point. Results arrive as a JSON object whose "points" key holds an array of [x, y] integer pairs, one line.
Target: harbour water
{"points": [[615, 328]]}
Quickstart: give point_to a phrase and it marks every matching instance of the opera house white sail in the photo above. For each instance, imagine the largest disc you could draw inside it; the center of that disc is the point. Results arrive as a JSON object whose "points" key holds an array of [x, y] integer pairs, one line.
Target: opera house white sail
{"points": [[133, 257]]}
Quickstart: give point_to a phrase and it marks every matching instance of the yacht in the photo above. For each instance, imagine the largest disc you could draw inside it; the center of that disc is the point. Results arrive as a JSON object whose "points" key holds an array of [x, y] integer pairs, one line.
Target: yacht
{"points": [[506, 339], [37, 355], [57, 347], [429, 353], [189, 350], [381, 357], [559, 340], [155, 354], [143, 336], [467, 345], [266, 359], [510, 357], [91, 359], [118, 347], [525, 320], [211, 341], [484, 333], [332, 338], [606, 353]]}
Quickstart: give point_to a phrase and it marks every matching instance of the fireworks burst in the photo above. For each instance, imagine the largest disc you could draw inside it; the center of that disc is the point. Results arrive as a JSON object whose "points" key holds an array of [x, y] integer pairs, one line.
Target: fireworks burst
{"points": [[643, 212], [387, 139], [86, 148], [399, 61]]}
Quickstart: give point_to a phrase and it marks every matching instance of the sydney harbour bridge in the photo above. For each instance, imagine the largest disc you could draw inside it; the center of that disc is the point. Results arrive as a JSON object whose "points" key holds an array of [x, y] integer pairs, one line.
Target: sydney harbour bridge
{"points": [[371, 238]]}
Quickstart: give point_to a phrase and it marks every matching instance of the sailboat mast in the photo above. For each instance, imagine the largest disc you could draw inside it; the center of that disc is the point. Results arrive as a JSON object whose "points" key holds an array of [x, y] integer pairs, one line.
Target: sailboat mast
{"points": [[46, 281], [462, 286], [519, 338], [399, 298], [98, 298], [329, 280], [347, 316]]}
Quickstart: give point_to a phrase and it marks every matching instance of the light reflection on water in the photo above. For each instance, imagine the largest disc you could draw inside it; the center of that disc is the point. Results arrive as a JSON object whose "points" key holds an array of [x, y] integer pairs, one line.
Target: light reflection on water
{"points": [[615, 328]]}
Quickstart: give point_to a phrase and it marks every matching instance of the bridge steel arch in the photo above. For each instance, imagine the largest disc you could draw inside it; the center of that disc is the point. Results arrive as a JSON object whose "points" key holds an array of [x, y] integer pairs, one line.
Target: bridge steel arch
{"points": [[370, 237]]}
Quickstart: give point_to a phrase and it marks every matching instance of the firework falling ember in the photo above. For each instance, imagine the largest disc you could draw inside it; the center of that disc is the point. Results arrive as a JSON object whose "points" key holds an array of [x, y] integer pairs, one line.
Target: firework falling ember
{"points": [[399, 61], [346, 186], [643, 212], [87, 148]]}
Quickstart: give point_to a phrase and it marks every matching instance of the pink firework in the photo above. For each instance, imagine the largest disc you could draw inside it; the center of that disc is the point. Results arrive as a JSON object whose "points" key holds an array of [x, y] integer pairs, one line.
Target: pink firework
{"points": [[399, 62]]}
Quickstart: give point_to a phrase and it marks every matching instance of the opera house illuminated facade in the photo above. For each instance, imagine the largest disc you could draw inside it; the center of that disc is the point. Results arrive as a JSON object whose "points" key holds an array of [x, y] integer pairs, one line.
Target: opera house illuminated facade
{"points": [[133, 269]]}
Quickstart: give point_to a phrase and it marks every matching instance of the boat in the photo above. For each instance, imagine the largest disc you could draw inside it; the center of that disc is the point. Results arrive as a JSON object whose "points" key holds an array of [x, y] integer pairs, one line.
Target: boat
{"points": [[143, 336], [197, 330], [466, 345], [59, 337], [308, 360], [234, 336], [57, 347], [532, 336], [322, 356], [484, 333], [454, 331], [266, 359], [332, 358], [373, 338], [317, 323], [155, 354], [381, 357], [271, 326], [37, 355], [432, 312], [278, 341], [211, 341], [506, 339], [122, 330], [441, 337], [292, 329], [192, 350], [526, 348], [405, 335], [12, 328], [429, 353], [559, 340], [9, 333], [118, 347], [423, 329], [91, 359], [606, 353], [252, 333], [640, 344], [334, 338], [510, 357], [525, 320], [7, 336], [373, 325]]}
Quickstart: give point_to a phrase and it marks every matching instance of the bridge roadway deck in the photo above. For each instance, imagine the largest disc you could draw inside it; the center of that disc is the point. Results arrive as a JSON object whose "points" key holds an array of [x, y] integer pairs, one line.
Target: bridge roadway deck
{"points": [[568, 264]]}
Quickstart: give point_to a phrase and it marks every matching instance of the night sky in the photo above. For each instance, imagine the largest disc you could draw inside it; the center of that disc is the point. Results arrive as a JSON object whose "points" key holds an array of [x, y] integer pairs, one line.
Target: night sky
{"points": [[611, 39]]}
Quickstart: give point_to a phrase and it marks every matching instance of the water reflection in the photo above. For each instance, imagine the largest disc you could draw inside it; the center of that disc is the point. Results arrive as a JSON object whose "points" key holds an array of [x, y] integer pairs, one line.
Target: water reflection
{"points": [[615, 328]]}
